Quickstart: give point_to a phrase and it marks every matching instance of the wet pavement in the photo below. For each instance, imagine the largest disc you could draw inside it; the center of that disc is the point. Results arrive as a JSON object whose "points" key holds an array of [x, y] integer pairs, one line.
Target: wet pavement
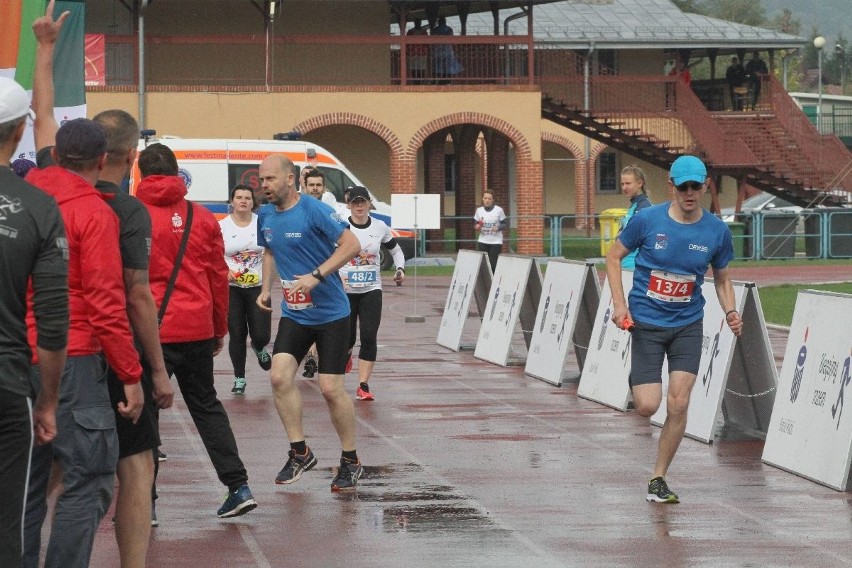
{"points": [[471, 464]]}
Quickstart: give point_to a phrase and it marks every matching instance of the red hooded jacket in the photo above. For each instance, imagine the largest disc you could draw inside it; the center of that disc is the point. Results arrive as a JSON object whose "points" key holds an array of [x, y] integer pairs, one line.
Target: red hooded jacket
{"points": [[198, 306], [95, 282]]}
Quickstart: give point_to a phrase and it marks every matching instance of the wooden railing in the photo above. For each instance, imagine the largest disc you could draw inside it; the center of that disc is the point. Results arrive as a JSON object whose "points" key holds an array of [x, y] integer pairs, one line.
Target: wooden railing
{"points": [[827, 154]]}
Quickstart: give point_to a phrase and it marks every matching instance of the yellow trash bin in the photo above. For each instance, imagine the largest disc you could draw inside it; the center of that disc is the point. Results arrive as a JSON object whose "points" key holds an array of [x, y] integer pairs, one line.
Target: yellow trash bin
{"points": [[610, 220]]}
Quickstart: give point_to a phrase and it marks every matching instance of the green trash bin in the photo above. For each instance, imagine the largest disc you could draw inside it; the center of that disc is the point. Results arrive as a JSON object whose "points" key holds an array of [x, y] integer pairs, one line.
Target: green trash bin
{"points": [[738, 235], [610, 220]]}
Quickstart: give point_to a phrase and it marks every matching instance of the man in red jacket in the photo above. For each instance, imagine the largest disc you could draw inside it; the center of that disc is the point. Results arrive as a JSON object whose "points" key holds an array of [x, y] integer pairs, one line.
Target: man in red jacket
{"points": [[195, 321], [86, 444]]}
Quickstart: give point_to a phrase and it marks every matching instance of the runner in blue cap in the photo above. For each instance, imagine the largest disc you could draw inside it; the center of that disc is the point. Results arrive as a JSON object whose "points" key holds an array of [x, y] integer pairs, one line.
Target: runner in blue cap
{"points": [[676, 242]]}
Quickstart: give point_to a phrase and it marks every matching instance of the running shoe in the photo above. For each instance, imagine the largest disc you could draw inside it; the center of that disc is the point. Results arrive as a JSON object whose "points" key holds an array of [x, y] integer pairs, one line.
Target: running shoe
{"points": [[264, 359], [349, 363], [311, 367], [295, 466], [363, 392], [237, 503], [239, 386], [347, 476], [154, 521], [659, 492], [161, 455]]}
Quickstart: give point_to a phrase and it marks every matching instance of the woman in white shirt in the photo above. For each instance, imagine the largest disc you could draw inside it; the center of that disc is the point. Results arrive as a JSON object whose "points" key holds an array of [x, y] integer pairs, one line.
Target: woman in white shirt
{"points": [[363, 283], [244, 258], [491, 221]]}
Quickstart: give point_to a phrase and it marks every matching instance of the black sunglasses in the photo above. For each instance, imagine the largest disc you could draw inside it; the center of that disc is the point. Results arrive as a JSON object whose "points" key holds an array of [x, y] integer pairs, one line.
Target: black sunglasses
{"points": [[687, 185]]}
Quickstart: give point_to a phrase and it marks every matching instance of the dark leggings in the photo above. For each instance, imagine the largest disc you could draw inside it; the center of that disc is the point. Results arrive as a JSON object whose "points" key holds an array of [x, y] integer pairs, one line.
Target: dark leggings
{"points": [[493, 252], [366, 309], [244, 319]]}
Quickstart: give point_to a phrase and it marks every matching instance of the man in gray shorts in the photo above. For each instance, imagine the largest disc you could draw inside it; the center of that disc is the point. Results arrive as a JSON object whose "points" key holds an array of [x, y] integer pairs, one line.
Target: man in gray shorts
{"points": [[676, 242]]}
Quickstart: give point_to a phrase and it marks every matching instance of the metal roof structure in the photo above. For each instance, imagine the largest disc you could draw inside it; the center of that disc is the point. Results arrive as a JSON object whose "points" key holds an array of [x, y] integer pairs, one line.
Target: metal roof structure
{"points": [[632, 24]]}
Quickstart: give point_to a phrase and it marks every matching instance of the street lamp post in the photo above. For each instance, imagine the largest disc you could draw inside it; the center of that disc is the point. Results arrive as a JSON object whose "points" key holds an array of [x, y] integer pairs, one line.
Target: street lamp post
{"points": [[841, 54], [819, 43]]}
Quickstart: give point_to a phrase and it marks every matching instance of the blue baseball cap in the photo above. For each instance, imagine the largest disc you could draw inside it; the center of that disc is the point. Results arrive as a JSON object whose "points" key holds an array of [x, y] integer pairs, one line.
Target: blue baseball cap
{"points": [[688, 168]]}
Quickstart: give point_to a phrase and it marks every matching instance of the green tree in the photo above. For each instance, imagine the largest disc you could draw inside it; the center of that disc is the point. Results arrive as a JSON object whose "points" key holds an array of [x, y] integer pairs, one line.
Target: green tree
{"points": [[835, 61], [691, 6], [749, 12]]}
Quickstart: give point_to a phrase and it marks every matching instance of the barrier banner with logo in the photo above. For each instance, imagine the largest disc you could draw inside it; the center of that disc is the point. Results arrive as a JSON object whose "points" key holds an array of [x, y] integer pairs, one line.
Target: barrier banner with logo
{"points": [[471, 279], [810, 433], [571, 294], [607, 365], [514, 296]]}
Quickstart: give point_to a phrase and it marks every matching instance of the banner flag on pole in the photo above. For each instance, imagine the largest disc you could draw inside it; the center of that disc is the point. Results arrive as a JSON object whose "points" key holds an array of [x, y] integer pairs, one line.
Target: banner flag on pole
{"points": [[17, 58]]}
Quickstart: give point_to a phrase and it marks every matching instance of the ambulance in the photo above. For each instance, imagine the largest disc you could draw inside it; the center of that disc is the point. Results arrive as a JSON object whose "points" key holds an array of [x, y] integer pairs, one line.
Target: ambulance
{"points": [[211, 167]]}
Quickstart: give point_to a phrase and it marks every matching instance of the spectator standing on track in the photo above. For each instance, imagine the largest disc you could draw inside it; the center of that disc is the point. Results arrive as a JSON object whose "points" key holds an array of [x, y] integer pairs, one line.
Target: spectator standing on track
{"points": [[677, 241], [137, 440], [245, 262], [34, 255], [86, 445], [362, 281], [306, 243], [196, 317]]}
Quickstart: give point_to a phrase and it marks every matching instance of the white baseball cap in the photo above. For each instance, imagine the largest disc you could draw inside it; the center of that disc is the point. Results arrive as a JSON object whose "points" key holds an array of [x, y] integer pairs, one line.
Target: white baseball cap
{"points": [[14, 101]]}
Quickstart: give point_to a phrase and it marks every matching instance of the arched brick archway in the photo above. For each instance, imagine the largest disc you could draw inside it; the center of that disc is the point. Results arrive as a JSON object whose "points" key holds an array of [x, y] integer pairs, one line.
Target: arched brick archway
{"points": [[350, 119], [400, 169], [530, 193]]}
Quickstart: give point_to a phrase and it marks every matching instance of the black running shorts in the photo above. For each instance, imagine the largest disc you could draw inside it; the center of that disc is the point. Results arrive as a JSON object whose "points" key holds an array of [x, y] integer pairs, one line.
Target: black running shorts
{"points": [[332, 341]]}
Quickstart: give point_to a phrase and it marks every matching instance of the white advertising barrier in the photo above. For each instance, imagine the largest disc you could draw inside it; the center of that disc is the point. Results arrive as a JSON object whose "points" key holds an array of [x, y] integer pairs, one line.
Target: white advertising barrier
{"points": [[471, 279], [736, 375], [571, 294], [810, 433], [607, 365], [514, 296]]}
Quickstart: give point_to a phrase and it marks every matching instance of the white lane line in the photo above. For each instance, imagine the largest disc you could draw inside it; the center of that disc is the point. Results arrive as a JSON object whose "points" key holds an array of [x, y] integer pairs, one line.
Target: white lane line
{"points": [[198, 450]]}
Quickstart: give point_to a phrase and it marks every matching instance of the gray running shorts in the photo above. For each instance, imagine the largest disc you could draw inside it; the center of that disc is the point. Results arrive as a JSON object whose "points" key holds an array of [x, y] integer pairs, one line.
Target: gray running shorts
{"points": [[681, 345]]}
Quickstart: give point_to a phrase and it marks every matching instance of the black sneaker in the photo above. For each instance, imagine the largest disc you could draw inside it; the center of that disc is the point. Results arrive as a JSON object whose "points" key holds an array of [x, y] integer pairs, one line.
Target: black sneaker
{"points": [[347, 476], [295, 466], [237, 503], [264, 359], [311, 367], [659, 492], [161, 455]]}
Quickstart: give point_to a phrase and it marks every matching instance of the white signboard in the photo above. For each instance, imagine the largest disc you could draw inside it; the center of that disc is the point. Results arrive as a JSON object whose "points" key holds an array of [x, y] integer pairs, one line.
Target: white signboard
{"points": [[420, 211], [569, 286], [607, 366], [515, 289], [810, 433], [471, 279], [716, 355]]}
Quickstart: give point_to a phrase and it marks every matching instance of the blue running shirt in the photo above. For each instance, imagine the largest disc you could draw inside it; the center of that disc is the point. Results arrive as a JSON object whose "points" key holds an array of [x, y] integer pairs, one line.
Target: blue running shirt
{"points": [[301, 238], [671, 262]]}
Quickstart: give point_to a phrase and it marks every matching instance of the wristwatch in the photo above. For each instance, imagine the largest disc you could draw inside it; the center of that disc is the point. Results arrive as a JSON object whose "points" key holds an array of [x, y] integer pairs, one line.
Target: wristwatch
{"points": [[318, 275]]}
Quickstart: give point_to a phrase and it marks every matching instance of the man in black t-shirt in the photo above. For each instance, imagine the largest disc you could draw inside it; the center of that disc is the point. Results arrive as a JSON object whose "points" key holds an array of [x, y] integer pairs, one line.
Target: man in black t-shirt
{"points": [[136, 442], [32, 246], [755, 71]]}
